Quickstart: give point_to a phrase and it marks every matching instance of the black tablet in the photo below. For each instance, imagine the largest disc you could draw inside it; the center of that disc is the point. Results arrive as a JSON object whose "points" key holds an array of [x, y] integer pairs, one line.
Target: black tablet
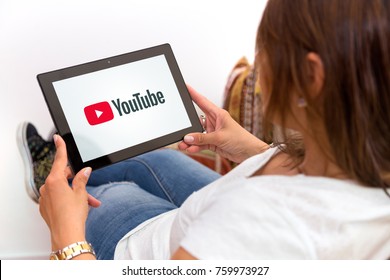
{"points": [[116, 108]]}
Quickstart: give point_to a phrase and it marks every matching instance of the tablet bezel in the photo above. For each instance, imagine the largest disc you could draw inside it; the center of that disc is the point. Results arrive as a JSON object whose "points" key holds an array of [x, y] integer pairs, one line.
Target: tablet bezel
{"points": [[47, 79]]}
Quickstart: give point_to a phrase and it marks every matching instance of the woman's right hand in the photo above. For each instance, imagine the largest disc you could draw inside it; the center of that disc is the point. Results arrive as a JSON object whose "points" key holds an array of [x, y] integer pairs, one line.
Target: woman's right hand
{"points": [[224, 135]]}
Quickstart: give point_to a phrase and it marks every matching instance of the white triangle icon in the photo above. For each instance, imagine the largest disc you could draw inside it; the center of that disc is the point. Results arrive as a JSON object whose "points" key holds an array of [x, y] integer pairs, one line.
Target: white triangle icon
{"points": [[98, 113]]}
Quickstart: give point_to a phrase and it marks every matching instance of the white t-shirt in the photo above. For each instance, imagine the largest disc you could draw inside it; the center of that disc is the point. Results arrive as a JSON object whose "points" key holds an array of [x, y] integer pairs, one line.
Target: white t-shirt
{"points": [[269, 217]]}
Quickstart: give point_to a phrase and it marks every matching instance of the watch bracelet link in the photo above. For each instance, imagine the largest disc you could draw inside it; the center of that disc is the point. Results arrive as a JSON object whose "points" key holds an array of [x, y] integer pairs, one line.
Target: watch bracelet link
{"points": [[73, 250]]}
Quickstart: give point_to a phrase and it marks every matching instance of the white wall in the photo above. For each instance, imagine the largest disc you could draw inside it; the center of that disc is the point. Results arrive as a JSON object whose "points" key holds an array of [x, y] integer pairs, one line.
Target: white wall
{"points": [[207, 37]]}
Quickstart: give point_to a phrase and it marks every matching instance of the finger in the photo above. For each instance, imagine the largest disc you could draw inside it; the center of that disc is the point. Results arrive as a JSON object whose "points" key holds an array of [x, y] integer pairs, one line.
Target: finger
{"points": [[42, 190], [61, 158], [204, 104], [68, 173], [94, 202], [192, 149], [183, 146], [79, 185], [197, 149], [80, 180], [201, 139]]}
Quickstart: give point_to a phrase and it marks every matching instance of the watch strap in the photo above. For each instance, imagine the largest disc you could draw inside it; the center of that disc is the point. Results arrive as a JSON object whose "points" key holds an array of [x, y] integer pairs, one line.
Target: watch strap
{"points": [[73, 250]]}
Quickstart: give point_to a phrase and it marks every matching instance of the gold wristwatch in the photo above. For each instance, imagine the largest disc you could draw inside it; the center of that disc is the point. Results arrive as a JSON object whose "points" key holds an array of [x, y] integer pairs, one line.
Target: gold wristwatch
{"points": [[73, 250]]}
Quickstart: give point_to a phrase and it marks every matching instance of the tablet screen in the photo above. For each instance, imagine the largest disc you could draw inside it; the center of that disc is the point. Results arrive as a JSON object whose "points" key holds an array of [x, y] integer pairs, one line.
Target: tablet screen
{"points": [[115, 108], [125, 105]]}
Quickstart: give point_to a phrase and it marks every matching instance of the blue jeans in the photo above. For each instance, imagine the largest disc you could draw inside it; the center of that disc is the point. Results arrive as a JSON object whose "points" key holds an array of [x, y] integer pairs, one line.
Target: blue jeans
{"points": [[138, 189]]}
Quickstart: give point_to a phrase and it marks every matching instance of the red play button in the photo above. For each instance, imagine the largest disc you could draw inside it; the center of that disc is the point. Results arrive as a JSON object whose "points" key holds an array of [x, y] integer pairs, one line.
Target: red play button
{"points": [[98, 113]]}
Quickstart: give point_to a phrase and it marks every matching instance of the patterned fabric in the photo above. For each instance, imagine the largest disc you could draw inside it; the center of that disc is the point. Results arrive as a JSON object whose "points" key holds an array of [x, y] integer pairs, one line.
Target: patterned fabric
{"points": [[242, 98]]}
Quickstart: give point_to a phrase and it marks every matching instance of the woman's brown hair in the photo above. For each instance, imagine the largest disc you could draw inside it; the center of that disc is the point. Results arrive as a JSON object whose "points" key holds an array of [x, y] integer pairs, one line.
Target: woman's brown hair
{"points": [[352, 37]]}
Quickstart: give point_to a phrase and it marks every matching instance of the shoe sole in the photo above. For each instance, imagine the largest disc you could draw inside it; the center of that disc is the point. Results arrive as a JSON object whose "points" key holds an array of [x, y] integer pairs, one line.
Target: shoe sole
{"points": [[27, 161]]}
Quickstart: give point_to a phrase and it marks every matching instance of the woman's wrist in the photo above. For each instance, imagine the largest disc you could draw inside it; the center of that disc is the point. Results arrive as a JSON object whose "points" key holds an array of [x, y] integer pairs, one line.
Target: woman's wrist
{"points": [[63, 239], [254, 146]]}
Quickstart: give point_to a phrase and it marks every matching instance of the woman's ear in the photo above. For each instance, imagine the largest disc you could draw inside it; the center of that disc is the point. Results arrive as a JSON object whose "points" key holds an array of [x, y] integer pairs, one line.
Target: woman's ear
{"points": [[316, 73]]}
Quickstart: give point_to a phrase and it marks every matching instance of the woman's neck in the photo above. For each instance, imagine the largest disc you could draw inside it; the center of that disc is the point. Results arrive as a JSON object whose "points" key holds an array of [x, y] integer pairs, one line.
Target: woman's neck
{"points": [[319, 160]]}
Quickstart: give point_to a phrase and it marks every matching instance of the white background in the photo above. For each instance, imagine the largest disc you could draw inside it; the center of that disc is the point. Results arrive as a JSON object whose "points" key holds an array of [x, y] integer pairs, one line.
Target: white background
{"points": [[208, 37]]}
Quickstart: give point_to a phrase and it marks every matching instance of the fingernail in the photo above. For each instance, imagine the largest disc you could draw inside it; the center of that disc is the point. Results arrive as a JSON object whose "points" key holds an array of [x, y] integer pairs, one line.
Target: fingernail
{"points": [[189, 139], [55, 138], [87, 172]]}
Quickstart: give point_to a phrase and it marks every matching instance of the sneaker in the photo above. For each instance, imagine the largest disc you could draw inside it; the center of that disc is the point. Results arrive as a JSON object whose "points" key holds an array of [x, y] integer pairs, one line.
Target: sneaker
{"points": [[38, 156]]}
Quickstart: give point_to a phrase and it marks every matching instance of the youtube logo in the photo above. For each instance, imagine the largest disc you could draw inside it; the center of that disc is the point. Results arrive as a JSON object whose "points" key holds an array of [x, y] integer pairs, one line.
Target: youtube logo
{"points": [[98, 113], [101, 112]]}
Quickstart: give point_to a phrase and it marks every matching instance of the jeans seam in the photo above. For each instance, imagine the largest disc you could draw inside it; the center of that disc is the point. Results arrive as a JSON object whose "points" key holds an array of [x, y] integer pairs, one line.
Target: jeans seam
{"points": [[156, 178]]}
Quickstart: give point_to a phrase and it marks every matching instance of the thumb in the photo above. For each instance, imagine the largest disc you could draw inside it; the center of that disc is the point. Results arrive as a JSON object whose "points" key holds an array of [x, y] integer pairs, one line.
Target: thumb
{"points": [[81, 179], [201, 139]]}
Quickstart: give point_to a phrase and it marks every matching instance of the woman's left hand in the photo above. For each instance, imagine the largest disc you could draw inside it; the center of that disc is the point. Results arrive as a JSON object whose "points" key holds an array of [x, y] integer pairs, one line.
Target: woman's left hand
{"points": [[64, 208]]}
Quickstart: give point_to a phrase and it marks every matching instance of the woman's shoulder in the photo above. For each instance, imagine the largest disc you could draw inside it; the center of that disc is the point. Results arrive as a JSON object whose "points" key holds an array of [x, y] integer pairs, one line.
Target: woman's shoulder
{"points": [[302, 213], [300, 187]]}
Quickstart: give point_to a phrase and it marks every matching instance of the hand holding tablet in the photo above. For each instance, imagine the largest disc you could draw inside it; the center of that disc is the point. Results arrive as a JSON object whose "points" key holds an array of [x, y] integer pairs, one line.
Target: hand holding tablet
{"points": [[119, 107]]}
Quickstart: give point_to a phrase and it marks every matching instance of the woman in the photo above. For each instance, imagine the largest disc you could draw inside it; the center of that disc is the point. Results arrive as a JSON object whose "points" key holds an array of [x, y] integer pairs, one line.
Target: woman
{"points": [[324, 69]]}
